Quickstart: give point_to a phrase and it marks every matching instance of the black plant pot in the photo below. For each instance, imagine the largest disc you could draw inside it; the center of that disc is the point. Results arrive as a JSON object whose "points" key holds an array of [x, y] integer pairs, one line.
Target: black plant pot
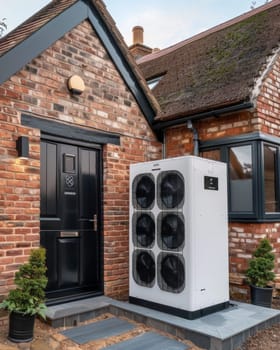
{"points": [[21, 327], [261, 296]]}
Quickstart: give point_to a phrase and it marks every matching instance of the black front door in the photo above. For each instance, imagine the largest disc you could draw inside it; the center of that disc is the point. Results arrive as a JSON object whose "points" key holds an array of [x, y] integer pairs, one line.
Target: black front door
{"points": [[70, 213]]}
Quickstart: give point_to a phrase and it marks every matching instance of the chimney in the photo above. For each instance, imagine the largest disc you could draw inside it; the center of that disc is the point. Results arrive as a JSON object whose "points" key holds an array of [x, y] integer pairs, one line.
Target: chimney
{"points": [[138, 35], [138, 49]]}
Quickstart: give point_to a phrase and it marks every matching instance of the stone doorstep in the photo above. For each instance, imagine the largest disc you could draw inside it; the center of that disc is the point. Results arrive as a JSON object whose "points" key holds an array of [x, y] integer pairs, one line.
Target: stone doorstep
{"points": [[223, 330], [73, 313]]}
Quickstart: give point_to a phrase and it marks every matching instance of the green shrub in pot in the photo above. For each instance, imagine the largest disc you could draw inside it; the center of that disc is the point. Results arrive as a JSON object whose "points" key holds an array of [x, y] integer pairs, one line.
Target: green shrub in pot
{"points": [[260, 273], [28, 298]]}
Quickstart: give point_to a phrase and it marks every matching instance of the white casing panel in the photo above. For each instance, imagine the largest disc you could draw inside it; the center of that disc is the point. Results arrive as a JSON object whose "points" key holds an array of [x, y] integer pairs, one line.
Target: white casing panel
{"points": [[205, 250]]}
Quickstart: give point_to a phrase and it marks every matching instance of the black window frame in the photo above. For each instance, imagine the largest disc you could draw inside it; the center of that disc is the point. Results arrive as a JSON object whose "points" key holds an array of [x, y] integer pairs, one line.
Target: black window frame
{"points": [[275, 216], [257, 140]]}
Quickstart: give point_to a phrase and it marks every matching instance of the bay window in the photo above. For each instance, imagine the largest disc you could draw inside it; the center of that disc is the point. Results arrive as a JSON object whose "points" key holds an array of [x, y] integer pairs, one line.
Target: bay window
{"points": [[253, 163]]}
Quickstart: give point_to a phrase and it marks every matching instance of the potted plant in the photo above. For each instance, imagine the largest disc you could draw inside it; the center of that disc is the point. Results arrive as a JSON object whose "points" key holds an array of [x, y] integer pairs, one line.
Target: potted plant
{"points": [[28, 298], [260, 274]]}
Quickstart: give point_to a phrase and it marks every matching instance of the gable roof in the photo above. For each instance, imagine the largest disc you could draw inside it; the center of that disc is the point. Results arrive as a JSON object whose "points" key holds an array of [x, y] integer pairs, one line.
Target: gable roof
{"points": [[45, 27], [216, 69]]}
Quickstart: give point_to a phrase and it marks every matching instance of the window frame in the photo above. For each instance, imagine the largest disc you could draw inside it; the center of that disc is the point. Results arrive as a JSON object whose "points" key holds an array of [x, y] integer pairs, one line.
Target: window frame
{"points": [[244, 214], [275, 216], [257, 140]]}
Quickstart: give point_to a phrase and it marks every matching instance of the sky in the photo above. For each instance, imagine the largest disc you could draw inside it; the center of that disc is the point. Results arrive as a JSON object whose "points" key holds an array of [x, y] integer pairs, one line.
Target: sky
{"points": [[165, 22]]}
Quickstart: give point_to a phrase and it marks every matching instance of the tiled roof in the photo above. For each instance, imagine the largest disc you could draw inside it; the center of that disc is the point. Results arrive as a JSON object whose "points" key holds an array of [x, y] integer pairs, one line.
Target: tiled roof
{"points": [[216, 68], [32, 24], [55, 8]]}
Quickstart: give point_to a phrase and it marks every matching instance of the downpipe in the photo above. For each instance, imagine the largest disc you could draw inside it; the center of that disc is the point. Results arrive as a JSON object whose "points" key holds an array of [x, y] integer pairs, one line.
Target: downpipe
{"points": [[195, 138]]}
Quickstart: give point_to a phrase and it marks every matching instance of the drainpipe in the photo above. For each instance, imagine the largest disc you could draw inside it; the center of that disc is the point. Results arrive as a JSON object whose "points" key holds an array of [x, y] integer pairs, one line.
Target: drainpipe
{"points": [[163, 145], [195, 138]]}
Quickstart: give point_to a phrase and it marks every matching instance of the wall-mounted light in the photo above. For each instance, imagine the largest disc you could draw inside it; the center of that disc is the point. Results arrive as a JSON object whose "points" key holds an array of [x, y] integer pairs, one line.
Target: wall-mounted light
{"points": [[23, 147], [76, 85]]}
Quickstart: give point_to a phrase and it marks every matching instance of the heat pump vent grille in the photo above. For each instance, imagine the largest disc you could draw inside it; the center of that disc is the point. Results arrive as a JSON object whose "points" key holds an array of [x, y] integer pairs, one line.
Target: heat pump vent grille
{"points": [[144, 267], [171, 189], [143, 229], [143, 188], [171, 231], [171, 272]]}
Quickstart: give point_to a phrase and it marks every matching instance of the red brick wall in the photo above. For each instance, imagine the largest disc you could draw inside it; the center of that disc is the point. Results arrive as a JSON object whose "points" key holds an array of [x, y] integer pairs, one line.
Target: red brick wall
{"points": [[268, 101], [40, 89], [19, 198], [179, 140], [243, 238]]}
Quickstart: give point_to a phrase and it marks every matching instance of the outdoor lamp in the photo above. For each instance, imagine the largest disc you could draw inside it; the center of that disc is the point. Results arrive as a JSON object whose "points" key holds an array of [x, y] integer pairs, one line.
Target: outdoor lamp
{"points": [[76, 85], [22, 146]]}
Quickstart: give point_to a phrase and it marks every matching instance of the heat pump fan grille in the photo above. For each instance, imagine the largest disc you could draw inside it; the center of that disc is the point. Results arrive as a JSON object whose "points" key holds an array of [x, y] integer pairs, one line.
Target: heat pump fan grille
{"points": [[143, 191], [171, 190], [143, 229], [171, 231], [144, 270], [171, 272]]}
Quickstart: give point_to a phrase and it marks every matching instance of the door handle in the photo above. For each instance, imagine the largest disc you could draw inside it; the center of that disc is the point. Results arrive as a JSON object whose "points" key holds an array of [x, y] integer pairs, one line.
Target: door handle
{"points": [[94, 222]]}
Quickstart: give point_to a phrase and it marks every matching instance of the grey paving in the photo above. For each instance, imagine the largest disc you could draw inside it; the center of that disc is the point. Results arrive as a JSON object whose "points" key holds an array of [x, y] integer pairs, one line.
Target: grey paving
{"points": [[98, 330], [223, 330], [221, 324], [150, 341]]}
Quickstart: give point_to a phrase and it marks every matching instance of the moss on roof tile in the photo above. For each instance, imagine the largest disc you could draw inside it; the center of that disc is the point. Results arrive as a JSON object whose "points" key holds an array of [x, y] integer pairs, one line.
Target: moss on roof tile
{"points": [[217, 69]]}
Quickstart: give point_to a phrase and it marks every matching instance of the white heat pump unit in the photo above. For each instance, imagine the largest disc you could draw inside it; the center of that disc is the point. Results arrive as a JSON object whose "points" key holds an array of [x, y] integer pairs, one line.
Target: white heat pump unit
{"points": [[179, 236]]}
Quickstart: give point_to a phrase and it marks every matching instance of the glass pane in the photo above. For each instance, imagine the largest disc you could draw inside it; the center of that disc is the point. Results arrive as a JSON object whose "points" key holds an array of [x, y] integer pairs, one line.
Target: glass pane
{"points": [[69, 163], [271, 203], [214, 154], [241, 178]]}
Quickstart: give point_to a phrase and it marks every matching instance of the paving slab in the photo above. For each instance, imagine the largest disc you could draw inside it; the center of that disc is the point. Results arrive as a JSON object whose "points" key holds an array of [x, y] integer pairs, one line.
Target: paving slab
{"points": [[98, 330], [150, 341], [223, 330]]}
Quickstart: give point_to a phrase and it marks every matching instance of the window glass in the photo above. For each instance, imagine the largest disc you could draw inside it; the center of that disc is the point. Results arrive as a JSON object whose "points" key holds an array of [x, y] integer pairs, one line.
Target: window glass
{"points": [[270, 198], [152, 83], [241, 178]]}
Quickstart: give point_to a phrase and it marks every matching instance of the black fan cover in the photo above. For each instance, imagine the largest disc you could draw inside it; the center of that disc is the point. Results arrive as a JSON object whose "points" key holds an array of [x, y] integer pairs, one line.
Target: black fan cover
{"points": [[145, 191], [145, 268], [145, 230], [172, 231], [172, 190], [172, 272]]}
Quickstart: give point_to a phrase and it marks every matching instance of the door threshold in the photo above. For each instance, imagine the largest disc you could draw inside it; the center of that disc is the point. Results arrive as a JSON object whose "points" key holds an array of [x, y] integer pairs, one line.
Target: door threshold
{"points": [[74, 297]]}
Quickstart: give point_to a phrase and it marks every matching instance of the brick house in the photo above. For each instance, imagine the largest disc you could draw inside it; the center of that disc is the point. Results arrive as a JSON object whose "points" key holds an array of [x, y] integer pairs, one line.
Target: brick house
{"points": [[71, 193], [219, 94], [73, 94]]}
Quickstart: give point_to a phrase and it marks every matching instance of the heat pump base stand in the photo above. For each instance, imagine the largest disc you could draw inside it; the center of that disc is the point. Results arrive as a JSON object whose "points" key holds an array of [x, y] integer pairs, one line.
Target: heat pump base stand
{"points": [[190, 315]]}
